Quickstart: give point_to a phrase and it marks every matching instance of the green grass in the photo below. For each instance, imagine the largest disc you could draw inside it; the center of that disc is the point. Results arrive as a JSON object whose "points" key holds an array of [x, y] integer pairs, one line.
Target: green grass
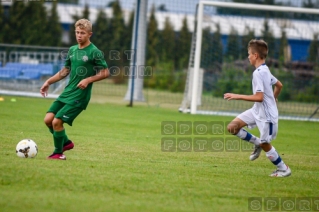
{"points": [[117, 164]]}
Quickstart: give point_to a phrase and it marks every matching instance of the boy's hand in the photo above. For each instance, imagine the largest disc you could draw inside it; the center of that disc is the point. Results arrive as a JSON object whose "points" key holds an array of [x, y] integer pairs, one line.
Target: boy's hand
{"points": [[44, 89], [230, 96], [83, 84]]}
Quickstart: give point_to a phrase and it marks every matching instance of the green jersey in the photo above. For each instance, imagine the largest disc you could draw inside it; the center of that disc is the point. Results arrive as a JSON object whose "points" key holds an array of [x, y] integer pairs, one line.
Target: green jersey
{"points": [[83, 63]]}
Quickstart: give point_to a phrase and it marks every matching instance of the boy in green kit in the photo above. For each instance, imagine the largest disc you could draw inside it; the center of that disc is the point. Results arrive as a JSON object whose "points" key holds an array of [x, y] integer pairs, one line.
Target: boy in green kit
{"points": [[85, 64]]}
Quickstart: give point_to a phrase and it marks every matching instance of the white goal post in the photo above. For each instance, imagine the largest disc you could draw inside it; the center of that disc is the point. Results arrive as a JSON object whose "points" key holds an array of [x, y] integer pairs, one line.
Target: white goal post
{"points": [[194, 89]]}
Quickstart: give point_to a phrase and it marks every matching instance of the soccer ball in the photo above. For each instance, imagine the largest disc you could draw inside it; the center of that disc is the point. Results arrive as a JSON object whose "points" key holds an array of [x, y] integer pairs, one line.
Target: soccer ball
{"points": [[27, 148]]}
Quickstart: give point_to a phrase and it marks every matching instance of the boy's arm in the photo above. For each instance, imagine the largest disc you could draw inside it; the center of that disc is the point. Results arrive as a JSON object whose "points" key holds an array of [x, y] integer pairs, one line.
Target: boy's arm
{"points": [[104, 73], [277, 89], [55, 78], [257, 97], [59, 76]]}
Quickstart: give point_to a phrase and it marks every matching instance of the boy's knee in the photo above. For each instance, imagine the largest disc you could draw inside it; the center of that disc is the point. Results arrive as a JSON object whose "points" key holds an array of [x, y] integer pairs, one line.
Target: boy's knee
{"points": [[48, 121], [57, 124], [232, 128], [266, 146]]}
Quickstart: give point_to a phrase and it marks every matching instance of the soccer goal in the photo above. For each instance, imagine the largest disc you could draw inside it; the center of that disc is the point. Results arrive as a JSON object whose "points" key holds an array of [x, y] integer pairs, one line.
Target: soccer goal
{"points": [[218, 58]]}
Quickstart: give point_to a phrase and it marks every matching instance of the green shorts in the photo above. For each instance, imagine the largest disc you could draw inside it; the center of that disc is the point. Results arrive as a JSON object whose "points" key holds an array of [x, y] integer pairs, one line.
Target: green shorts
{"points": [[67, 113]]}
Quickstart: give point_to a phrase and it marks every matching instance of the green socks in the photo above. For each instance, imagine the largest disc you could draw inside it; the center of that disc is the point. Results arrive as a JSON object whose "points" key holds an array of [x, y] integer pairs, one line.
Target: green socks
{"points": [[52, 132], [59, 139]]}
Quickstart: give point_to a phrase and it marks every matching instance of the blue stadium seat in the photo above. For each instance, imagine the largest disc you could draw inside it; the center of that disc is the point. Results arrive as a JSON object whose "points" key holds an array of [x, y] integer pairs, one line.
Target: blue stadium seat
{"points": [[19, 65], [9, 73], [46, 69], [11, 65], [30, 74]]}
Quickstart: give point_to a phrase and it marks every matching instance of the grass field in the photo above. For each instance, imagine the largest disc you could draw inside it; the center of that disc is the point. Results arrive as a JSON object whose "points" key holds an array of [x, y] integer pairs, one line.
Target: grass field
{"points": [[117, 163]]}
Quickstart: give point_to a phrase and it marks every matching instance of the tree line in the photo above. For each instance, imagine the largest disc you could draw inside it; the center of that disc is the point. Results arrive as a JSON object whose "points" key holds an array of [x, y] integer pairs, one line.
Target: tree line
{"points": [[31, 24]]}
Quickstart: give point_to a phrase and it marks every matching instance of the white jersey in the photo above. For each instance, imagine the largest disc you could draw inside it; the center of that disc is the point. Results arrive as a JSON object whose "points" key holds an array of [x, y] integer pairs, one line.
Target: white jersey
{"points": [[265, 111]]}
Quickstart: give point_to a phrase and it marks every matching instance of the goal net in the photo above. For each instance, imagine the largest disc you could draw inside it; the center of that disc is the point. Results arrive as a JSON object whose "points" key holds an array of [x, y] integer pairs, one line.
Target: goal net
{"points": [[218, 59]]}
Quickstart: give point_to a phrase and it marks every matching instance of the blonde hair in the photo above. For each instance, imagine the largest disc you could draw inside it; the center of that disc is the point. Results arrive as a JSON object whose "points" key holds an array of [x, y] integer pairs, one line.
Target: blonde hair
{"points": [[84, 24], [259, 46]]}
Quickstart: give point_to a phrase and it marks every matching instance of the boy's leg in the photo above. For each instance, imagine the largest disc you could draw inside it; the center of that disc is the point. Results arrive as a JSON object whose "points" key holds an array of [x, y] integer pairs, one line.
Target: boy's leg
{"points": [[48, 119], [246, 136], [59, 138], [67, 114], [236, 128], [65, 144], [282, 169], [50, 115], [269, 132], [54, 109]]}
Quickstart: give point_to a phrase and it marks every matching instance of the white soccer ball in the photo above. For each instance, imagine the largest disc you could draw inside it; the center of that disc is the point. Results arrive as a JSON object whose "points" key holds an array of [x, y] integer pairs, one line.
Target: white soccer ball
{"points": [[27, 148]]}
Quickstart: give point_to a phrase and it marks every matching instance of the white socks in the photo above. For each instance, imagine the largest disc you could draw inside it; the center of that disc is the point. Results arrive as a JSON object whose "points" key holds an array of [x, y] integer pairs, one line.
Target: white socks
{"points": [[272, 154], [243, 134], [276, 159]]}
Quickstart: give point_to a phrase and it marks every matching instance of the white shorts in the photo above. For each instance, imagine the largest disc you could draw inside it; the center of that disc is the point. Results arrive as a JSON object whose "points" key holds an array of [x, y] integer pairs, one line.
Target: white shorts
{"points": [[268, 131]]}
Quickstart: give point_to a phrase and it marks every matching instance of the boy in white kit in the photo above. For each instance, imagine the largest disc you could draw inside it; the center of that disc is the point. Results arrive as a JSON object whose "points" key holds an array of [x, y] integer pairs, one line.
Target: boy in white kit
{"points": [[264, 113]]}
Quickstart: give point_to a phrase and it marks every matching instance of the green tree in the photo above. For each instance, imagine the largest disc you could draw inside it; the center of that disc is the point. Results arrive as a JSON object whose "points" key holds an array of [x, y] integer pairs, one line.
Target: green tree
{"points": [[110, 4], [232, 79], [69, 1], [162, 8], [16, 23], [249, 35], [163, 76], [283, 47], [76, 17], [212, 49], [116, 28], [233, 50], [269, 38], [183, 46], [182, 52], [72, 38], [127, 38], [207, 48], [167, 53], [35, 31], [270, 2], [314, 50], [54, 29], [152, 40], [2, 23], [217, 57], [101, 26], [86, 12]]}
